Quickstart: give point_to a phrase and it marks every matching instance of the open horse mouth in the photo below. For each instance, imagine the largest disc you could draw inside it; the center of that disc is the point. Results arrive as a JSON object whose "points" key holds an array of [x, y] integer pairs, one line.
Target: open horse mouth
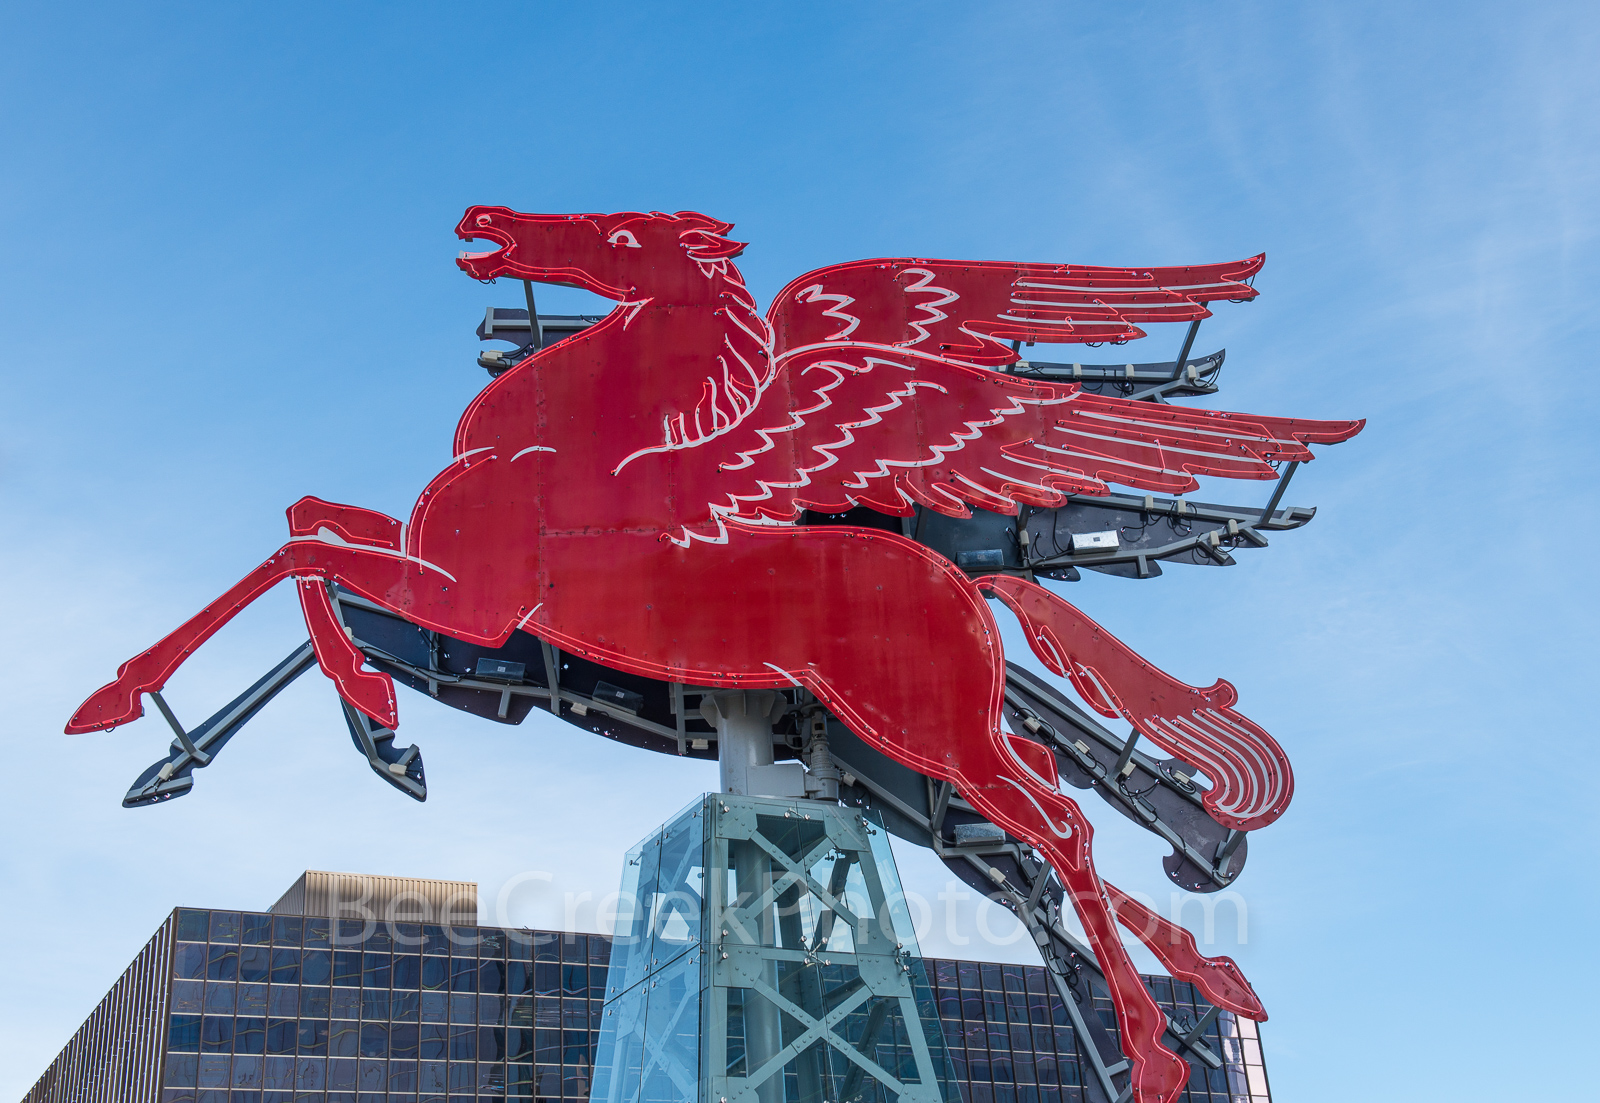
{"points": [[479, 223]]}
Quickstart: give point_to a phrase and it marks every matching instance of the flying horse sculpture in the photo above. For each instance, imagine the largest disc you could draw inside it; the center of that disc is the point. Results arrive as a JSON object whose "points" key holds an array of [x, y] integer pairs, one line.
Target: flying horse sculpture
{"points": [[631, 495]]}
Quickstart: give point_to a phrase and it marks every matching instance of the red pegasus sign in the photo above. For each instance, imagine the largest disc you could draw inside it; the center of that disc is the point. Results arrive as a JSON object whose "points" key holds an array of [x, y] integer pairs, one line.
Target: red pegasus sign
{"points": [[631, 494]]}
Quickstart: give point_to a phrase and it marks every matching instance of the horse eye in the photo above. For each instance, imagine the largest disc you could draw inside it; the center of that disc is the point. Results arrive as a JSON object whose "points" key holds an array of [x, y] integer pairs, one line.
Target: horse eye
{"points": [[484, 220], [623, 237]]}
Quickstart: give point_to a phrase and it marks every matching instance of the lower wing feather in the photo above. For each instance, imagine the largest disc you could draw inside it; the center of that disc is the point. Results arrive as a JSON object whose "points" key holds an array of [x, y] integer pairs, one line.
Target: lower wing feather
{"points": [[859, 424]]}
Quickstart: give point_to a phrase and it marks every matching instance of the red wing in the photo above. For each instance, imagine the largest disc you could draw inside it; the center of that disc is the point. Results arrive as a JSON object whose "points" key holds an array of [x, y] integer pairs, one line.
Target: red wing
{"points": [[968, 309], [851, 425]]}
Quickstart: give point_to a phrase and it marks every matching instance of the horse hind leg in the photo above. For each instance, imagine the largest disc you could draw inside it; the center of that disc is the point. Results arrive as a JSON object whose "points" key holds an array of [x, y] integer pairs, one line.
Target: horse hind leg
{"points": [[1008, 795], [1219, 978], [954, 735], [369, 691], [927, 690]]}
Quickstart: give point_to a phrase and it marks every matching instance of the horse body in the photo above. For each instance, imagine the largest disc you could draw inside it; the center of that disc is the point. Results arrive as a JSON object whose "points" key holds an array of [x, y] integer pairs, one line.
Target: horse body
{"points": [[580, 506]]}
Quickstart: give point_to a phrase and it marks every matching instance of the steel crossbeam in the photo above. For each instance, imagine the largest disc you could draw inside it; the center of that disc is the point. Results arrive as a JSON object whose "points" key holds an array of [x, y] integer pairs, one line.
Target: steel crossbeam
{"points": [[746, 954], [815, 1030]]}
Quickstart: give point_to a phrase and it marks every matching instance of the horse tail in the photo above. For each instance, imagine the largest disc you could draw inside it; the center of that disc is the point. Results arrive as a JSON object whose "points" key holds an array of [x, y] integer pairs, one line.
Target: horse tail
{"points": [[1251, 780]]}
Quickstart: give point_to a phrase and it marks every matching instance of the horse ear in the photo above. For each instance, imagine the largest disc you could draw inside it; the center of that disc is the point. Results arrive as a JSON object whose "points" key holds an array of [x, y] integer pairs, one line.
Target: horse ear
{"points": [[702, 237], [704, 222]]}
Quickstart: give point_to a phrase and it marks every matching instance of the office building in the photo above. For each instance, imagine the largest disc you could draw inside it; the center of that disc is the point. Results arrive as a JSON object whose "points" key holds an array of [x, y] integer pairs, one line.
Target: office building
{"points": [[309, 1003]]}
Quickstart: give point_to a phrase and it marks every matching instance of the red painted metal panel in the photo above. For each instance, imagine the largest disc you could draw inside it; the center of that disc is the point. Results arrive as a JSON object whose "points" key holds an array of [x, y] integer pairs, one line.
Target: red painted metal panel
{"points": [[629, 495]]}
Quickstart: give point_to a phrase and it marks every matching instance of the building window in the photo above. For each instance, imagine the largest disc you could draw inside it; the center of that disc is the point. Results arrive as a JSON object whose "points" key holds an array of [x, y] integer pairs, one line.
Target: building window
{"points": [[183, 1034]]}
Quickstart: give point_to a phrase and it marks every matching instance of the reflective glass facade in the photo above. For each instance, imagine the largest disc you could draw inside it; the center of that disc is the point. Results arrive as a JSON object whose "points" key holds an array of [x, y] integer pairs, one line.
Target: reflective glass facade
{"points": [[1011, 1042], [290, 1009], [231, 1007]]}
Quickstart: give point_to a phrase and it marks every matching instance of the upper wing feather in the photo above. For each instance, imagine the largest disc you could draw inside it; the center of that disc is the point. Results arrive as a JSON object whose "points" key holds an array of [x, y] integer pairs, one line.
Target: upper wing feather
{"points": [[853, 425], [968, 309]]}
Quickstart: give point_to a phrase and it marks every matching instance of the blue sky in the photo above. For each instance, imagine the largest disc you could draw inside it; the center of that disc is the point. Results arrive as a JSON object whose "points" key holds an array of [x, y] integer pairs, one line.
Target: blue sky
{"points": [[226, 282]]}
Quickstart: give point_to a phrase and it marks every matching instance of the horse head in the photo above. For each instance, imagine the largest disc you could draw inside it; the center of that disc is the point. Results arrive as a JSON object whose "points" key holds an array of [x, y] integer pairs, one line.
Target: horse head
{"points": [[619, 256]]}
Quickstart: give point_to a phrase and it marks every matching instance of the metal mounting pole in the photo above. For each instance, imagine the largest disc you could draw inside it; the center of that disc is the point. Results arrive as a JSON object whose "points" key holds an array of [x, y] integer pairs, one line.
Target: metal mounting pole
{"points": [[1125, 757], [743, 719], [1188, 343], [552, 670], [1277, 493], [535, 330], [183, 737], [824, 774]]}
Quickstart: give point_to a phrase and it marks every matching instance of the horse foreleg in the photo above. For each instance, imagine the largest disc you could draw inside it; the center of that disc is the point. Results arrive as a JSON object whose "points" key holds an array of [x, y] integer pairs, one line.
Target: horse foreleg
{"points": [[367, 691], [1218, 978], [372, 692], [118, 701], [353, 524], [372, 571]]}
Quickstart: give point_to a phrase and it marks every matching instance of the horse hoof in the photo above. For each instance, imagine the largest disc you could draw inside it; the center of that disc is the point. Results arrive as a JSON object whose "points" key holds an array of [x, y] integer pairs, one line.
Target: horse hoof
{"points": [[371, 694], [106, 707], [1159, 1076], [1227, 986]]}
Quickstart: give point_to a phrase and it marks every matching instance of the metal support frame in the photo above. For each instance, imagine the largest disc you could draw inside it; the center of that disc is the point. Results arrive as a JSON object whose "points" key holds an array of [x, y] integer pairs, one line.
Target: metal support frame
{"points": [[677, 707], [401, 768], [743, 719], [1196, 532], [200, 757], [172, 776], [1155, 382], [1182, 362], [1278, 489], [552, 669], [528, 330], [1013, 874], [1124, 756], [535, 329], [1153, 792], [552, 694]]}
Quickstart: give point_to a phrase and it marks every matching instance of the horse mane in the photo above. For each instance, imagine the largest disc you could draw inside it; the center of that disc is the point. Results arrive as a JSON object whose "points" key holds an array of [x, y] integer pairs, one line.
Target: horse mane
{"points": [[744, 363]]}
